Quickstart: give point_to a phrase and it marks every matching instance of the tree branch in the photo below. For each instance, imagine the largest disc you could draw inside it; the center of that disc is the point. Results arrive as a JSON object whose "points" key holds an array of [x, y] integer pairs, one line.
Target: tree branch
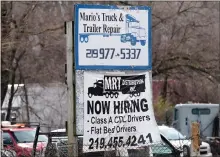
{"points": [[46, 30]]}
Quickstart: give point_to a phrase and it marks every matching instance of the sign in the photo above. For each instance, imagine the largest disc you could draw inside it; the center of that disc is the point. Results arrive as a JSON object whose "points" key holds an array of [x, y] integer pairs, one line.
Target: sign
{"points": [[111, 37], [118, 111]]}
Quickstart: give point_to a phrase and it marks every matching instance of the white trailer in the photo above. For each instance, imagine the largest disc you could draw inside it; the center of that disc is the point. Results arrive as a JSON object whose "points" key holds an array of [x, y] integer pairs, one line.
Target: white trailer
{"points": [[185, 114]]}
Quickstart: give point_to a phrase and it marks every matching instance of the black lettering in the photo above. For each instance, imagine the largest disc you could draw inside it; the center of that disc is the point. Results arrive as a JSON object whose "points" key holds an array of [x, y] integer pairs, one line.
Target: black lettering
{"points": [[109, 17], [98, 16], [91, 29], [93, 120], [116, 118], [147, 117], [85, 17], [134, 129], [129, 118], [110, 30], [82, 16], [90, 107], [122, 107], [135, 105], [105, 121], [105, 129], [105, 106], [84, 26], [129, 129], [140, 118], [117, 106], [144, 105], [110, 120], [127, 106], [130, 106], [98, 107]]}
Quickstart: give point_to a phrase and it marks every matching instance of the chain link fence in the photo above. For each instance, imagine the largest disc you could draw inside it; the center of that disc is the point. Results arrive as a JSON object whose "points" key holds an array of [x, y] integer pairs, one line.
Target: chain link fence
{"points": [[62, 151], [162, 149], [21, 152], [8, 153], [58, 147]]}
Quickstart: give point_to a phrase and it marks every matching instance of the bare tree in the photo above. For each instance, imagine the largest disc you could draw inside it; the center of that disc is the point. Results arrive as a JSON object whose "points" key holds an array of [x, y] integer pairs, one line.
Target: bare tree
{"points": [[11, 54], [17, 29], [181, 43]]}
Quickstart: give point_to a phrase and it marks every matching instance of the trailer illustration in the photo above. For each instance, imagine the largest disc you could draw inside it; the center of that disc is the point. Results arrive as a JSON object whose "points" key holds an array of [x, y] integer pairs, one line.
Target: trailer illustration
{"points": [[133, 32], [111, 86]]}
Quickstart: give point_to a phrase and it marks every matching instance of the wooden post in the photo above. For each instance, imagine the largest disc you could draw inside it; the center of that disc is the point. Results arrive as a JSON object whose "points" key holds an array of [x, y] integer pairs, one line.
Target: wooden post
{"points": [[195, 144], [72, 139]]}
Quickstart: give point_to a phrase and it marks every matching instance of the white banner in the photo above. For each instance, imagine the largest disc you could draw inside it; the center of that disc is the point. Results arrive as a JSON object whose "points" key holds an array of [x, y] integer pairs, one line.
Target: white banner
{"points": [[118, 111]]}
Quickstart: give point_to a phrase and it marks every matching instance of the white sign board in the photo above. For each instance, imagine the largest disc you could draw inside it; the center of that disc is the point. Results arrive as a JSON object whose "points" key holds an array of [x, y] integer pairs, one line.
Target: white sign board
{"points": [[118, 111], [111, 37]]}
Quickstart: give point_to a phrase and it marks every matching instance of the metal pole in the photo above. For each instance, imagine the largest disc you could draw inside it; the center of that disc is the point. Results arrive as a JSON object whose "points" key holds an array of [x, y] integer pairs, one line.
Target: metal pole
{"points": [[218, 82], [72, 141], [35, 141], [219, 69]]}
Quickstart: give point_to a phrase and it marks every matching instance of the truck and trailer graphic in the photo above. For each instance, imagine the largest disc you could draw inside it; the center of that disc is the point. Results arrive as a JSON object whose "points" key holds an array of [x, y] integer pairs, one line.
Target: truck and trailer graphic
{"points": [[134, 33], [112, 86]]}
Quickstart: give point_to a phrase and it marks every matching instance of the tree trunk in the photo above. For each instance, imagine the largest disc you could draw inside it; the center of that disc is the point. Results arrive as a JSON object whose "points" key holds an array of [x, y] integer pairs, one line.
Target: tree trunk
{"points": [[164, 90], [27, 103], [12, 91], [4, 84]]}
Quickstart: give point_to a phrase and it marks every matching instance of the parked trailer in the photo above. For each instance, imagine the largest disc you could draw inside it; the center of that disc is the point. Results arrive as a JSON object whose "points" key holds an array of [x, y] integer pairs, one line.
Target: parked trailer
{"points": [[208, 117]]}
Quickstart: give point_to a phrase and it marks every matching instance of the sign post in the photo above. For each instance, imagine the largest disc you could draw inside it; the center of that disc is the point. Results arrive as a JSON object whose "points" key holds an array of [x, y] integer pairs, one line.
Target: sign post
{"points": [[72, 141], [114, 82]]}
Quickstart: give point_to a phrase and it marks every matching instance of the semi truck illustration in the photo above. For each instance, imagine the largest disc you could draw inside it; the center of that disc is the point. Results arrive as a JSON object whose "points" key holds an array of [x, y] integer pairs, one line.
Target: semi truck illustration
{"points": [[133, 32], [98, 88]]}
